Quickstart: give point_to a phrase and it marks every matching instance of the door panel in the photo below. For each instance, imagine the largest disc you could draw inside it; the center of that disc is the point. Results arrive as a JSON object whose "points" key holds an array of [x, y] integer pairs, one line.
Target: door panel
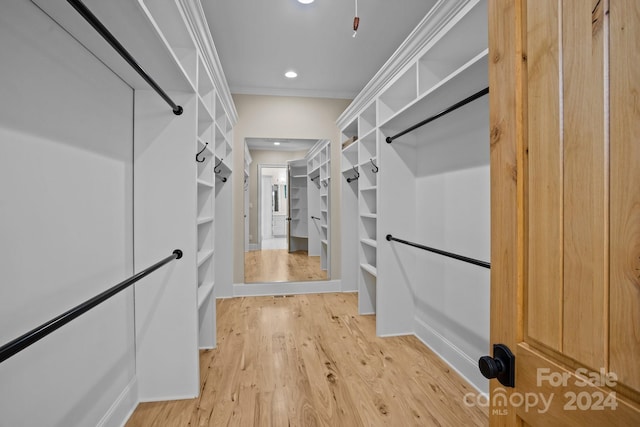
{"points": [[565, 106], [624, 326], [543, 313], [585, 210]]}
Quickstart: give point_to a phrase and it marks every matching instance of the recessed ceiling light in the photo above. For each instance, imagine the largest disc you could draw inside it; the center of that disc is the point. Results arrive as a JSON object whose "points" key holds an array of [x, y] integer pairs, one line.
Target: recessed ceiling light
{"points": [[276, 143], [305, 1], [291, 74]]}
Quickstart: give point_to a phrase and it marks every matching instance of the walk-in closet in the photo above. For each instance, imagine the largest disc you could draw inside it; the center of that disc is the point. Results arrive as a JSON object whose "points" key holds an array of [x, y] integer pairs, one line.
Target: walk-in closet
{"points": [[319, 213]]}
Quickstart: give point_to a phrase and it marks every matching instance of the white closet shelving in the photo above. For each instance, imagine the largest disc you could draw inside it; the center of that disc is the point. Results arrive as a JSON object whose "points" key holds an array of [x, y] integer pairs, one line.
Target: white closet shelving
{"points": [[319, 173], [247, 169], [349, 210], [205, 221], [174, 195], [298, 208], [431, 188], [325, 197]]}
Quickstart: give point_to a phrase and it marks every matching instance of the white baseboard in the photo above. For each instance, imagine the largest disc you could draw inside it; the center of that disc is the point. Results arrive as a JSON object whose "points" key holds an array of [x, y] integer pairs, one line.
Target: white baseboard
{"points": [[285, 288], [121, 410], [456, 358], [254, 247]]}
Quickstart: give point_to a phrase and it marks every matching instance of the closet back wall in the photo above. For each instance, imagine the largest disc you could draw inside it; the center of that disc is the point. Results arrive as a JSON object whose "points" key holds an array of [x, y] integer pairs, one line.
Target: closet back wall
{"points": [[286, 117], [66, 209]]}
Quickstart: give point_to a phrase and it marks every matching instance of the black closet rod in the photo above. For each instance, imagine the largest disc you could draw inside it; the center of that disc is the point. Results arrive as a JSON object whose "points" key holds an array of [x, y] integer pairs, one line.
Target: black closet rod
{"points": [[441, 252], [444, 112], [106, 34], [34, 335]]}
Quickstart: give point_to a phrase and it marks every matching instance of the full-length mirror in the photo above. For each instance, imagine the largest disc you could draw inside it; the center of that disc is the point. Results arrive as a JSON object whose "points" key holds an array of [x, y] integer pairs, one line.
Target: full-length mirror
{"points": [[287, 220]]}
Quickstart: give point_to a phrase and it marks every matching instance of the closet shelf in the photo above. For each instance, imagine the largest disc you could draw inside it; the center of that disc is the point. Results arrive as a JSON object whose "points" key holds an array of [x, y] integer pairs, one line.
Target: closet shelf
{"points": [[372, 188], [466, 80], [203, 256], [369, 242], [204, 291], [204, 220], [370, 269], [204, 114], [324, 242], [203, 183], [371, 216]]}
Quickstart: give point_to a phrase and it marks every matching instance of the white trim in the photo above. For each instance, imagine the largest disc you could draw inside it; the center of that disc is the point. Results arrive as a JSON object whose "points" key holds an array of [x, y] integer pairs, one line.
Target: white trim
{"points": [[438, 17], [123, 407], [254, 247], [458, 360], [202, 35], [163, 398], [305, 93], [285, 288]]}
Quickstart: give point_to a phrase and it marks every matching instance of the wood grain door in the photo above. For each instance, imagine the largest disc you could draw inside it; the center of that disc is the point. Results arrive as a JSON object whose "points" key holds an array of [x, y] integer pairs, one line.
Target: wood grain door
{"points": [[565, 174]]}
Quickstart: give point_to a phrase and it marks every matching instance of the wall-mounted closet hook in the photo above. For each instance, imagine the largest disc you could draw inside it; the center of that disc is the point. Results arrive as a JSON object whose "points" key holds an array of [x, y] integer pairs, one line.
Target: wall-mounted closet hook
{"points": [[325, 184], [374, 165], [355, 177], [200, 152], [216, 167], [222, 178]]}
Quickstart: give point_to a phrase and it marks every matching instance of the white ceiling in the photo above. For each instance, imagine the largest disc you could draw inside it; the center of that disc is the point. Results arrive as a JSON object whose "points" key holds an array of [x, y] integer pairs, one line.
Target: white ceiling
{"points": [[258, 40]]}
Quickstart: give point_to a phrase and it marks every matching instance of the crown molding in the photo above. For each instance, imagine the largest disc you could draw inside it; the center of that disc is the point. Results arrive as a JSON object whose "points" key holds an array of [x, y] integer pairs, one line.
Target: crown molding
{"points": [[304, 93], [439, 17], [194, 15]]}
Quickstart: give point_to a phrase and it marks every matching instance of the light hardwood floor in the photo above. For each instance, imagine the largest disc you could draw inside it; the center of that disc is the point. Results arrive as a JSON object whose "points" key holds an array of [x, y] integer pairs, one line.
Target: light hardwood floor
{"points": [[311, 360], [278, 265]]}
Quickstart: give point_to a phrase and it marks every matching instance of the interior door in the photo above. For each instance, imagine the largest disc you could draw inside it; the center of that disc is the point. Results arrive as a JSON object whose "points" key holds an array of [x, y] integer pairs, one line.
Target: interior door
{"points": [[565, 175]]}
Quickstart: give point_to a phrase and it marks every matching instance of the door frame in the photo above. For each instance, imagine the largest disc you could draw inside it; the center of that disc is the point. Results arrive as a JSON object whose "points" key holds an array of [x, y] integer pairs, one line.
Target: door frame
{"points": [[259, 207], [506, 124]]}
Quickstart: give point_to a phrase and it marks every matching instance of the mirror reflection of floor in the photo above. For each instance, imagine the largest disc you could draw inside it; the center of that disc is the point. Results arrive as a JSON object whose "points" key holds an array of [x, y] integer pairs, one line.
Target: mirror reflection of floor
{"points": [[277, 265], [274, 243]]}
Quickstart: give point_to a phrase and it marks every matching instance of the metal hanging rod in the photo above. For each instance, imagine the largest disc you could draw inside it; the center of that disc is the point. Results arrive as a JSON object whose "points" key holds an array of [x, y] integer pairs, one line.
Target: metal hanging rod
{"points": [[200, 152], [441, 252], [444, 112], [314, 178], [34, 335], [106, 34]]}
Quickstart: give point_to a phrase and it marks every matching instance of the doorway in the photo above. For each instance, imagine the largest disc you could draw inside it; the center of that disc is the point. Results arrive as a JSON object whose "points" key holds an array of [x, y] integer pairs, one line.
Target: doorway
{"points": [[273, 207], [280, 216]]}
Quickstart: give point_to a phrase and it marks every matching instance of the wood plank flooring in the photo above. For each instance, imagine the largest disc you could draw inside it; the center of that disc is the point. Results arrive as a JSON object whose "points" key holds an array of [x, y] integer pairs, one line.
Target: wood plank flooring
{"points": [[278, 265], [311, 360]]}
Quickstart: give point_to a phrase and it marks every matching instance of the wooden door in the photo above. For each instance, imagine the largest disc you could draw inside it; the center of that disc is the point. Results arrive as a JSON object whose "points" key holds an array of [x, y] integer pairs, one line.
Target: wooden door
{"points": [[565, 177]]}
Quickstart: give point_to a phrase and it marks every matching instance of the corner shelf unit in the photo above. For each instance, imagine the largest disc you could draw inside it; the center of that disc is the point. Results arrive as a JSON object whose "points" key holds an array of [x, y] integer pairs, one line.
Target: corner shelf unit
{"points": [[429, 185]]}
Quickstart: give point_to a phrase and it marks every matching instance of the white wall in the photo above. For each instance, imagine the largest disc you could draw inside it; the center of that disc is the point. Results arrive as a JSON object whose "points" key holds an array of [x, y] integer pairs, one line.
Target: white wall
{"points": [[294, 118], [66, 142]]}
